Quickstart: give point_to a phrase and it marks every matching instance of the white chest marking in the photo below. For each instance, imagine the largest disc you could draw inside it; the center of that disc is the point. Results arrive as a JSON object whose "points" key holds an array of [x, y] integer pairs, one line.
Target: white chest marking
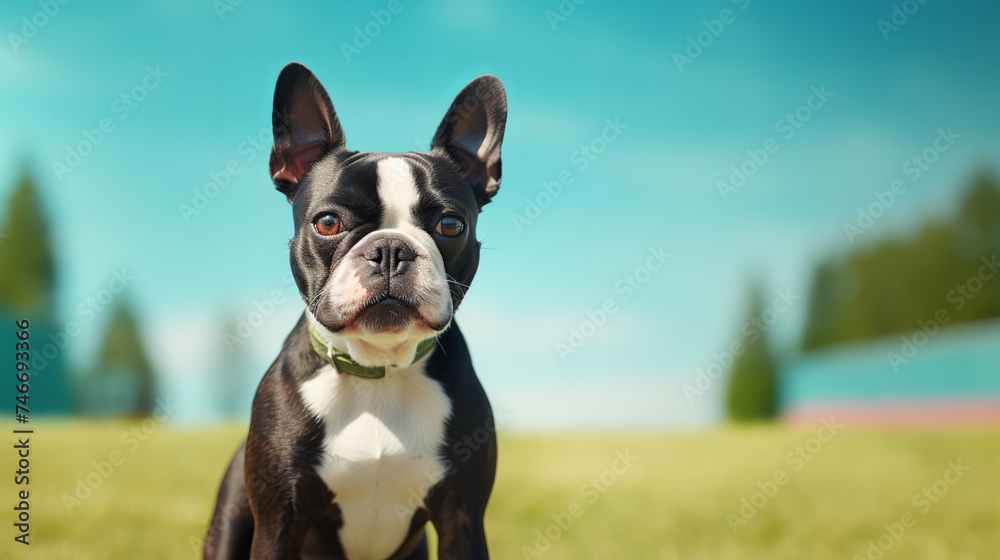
{"points": [[380, 452]]}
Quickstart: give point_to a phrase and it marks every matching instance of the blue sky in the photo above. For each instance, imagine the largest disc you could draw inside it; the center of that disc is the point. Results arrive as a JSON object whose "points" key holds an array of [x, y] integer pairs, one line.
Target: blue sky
{"points": [[655, 185]]}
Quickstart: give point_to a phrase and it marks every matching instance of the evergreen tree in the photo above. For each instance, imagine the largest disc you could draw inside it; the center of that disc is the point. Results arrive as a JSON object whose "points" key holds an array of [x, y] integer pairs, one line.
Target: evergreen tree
{"points": [[122, 352], [27, 291], [823, 299], [979, 232], [752, 391], [27, 280], [978, 227]]}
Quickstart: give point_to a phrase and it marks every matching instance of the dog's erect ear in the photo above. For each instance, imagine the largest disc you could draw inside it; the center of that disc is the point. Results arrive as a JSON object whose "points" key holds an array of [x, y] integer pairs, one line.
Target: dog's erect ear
{"points": [[472, 131], [305, 127]]}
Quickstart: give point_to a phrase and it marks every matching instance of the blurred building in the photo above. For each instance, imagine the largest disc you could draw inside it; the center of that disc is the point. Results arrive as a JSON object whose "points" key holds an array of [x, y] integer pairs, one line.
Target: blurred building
{"points": [[49, 392], [951, 376]]}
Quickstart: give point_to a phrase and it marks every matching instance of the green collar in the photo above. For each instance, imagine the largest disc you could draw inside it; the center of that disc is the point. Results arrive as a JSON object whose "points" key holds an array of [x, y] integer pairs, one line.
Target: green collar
{"points": [[344, 364]]}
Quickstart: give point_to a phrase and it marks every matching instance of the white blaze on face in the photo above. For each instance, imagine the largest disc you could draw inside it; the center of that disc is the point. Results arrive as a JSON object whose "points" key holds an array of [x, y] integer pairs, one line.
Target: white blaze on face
{"points": [[398, 192]]}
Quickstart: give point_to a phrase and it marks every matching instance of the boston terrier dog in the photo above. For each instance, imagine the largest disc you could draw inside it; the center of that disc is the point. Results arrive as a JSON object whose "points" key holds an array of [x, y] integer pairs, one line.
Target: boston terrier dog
{"points": [[355, 439]]}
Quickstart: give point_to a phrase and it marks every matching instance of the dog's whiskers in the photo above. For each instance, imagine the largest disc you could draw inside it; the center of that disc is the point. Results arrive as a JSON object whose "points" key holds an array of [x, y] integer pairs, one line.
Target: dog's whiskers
{"points": [[437, 340], [309, 306], [451, 280]]}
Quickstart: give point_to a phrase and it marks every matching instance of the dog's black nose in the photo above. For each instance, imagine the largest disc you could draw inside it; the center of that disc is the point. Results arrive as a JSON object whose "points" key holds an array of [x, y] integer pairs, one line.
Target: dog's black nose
{"points": [[392, 255]]}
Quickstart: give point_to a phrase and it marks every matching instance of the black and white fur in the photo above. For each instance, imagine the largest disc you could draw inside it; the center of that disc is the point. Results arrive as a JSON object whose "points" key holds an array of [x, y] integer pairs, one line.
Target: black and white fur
{"points": [[341, 467]]}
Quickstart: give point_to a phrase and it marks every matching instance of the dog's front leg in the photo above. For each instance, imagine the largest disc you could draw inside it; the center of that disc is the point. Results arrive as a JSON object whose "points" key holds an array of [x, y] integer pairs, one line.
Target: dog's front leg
{"points": [[273, 541], [279, 530], [271, 491], [461, 535]]}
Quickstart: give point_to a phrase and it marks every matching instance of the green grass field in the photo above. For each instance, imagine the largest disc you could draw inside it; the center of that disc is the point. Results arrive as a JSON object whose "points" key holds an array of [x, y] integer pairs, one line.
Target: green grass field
{"points": [[677, 499]]}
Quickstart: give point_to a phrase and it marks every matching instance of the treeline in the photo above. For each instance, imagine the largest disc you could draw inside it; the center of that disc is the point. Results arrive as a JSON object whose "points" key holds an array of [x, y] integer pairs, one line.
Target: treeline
{"points": [[948, 272], [894, 285]]}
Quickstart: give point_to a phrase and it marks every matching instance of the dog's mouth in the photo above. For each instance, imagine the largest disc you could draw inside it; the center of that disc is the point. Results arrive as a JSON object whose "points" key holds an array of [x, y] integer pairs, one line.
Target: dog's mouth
{"points": [[385, 313], [387, 298]]}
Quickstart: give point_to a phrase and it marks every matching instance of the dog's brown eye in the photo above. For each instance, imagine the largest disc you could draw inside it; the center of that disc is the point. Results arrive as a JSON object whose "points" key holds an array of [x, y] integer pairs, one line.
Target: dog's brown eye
{"points": [[327, 224], [450, 226]]}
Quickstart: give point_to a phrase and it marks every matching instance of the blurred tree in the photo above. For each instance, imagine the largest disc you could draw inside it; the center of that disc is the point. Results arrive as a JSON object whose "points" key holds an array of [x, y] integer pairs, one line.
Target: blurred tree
{"points": [[123, 359], [893, 285], [752, 392], [28, 279], [822, 299], [27, 291], [978, 227], [978, 230], [232, 383]]}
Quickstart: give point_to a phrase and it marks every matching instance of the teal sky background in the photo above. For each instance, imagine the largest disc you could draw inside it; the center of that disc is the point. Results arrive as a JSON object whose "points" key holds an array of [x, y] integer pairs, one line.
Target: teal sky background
{"points": [[654, 186]]}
